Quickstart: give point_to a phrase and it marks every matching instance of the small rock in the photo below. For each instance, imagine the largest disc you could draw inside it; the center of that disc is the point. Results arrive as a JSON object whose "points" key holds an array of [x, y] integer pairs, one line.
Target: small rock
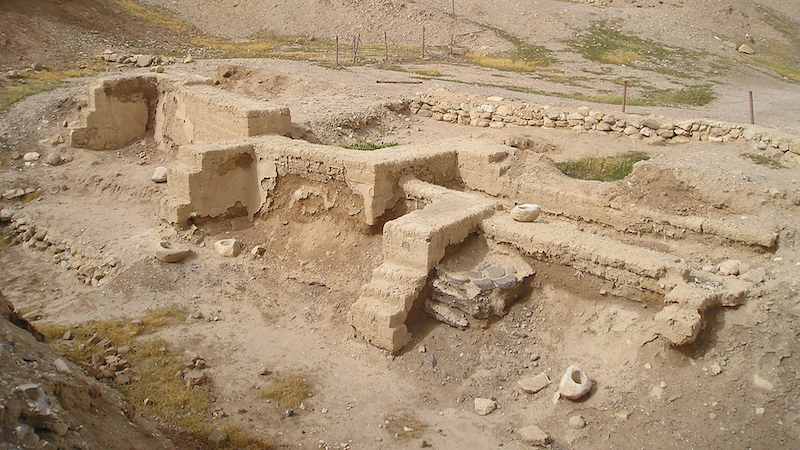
{"points": [[289, 412], [729, 267], [484, 406], [53, 160], [759, 411], [431, 360], [228, 247], [171, 253], [37, 66], [258, 251], [715, 369], [576, 422], [194, 377], [144, 60], [61, 366], [265, 371], [31, 156], [6, 214], [762, 383], [218, 438], [67, 335], [533, 435], [159, 175], [746, 49], [188, 59], [532, 385], [526, 212], [575, 383], [754, 276]]}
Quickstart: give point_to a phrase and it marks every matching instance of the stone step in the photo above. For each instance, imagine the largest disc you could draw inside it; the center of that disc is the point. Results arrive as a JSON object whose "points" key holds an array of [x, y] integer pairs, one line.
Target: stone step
{"points": [[379, 313], [401, 295], [389, 271]]}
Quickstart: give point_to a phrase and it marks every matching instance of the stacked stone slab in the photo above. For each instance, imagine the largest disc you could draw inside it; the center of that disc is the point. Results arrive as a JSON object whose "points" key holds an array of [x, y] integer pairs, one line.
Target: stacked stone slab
{"points": [[497, 113], [412, 245]]}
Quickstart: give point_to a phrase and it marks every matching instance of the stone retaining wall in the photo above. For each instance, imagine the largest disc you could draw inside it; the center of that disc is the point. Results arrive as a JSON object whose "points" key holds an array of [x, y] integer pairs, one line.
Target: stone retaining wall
{"points": [[495, 112], [87, 263]]}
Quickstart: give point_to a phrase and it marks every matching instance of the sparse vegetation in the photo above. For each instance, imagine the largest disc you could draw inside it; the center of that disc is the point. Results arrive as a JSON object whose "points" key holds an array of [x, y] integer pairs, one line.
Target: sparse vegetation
{"points": [[157, 389], [524, 58], [369, 146], [289, 390], [30, 82], [697, 95], [610, 168], [763, 160], [607, 44]]}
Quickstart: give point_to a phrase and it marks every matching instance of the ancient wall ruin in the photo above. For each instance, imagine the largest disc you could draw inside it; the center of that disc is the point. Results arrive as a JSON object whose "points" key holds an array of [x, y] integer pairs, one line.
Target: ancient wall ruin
{"points": [[231, 152]]}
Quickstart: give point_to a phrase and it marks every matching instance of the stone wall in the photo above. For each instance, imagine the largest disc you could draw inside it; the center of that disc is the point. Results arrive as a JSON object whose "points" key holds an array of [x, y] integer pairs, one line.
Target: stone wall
{"points": [[495, 112], [179, 109], [210, 179]]}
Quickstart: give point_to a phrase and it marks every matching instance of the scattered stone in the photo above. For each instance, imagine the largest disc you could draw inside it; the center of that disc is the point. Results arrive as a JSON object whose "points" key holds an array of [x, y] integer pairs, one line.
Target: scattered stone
{"points": [[194, 377], [532, 385], [228, 247], [218, 438], [533, 435], [57, 139], [171, 253], [289, 412], [759, 411], [715, 369], [37, 66], [31, 156], [484, 406], [445, 314], [431, 360], [575, 383], [6, 215], [188, 59], [754, 276], [96, 339], [53, 160], [61, 366], [144, 60], [159, 175], [258, 251], [526, 212], [762, 383], [12, 194], [67, 335], [729, 267], [746, 49], [576, 422]]}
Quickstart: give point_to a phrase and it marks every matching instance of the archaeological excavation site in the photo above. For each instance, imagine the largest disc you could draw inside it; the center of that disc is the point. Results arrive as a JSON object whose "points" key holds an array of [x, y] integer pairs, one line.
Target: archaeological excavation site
{"points": [[265, 253]]}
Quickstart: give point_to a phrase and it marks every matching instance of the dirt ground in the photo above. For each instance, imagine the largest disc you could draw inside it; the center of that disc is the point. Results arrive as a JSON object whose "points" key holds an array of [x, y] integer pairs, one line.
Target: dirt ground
{"points": [[287, 311]]}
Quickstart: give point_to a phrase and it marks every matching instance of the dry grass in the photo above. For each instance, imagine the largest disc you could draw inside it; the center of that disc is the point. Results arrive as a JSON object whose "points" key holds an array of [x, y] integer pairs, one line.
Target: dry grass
{"points": [[153, 16], [289, 390], [159, 389], [610, 168], [32, 82], [763, 160]]}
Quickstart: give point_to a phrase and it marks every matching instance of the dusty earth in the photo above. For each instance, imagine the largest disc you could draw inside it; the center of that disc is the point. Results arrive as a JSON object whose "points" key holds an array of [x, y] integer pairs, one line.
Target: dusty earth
{"points": [[736, 387]]}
